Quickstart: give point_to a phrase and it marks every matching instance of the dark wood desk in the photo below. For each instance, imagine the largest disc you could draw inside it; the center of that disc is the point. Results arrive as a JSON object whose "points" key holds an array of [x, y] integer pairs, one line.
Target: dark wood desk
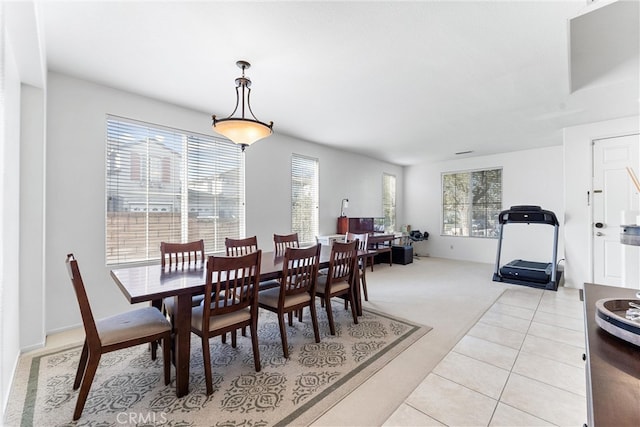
{"points": [[151, 282], [613, 366]]}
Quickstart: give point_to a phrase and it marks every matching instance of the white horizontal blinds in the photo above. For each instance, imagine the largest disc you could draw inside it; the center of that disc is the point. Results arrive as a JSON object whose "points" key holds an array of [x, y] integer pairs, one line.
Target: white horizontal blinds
{"points": [[304, 198], [389, 201], [471, 202], [163, 185], [215, 191]]}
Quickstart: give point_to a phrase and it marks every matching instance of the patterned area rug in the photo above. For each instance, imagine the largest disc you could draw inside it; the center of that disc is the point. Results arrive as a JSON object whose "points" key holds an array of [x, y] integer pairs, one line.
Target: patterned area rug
{"points": [[129, 389]]}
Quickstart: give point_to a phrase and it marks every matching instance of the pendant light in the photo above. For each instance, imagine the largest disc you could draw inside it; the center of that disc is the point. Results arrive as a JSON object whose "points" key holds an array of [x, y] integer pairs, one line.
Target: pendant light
{"points": [[242, 130]]}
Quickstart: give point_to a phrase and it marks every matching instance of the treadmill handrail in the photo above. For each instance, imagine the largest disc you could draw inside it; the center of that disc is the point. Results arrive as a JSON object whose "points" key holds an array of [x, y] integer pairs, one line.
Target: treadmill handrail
{"points": [[527, 215]]}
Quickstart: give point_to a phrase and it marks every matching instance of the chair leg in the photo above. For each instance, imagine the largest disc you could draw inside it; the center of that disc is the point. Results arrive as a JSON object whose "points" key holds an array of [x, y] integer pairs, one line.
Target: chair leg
{"points": [[290, 314], [363, 278], [82, 365], [352, 300], [234, 338], [166, 359], [283, 335], [154, 349], [223, 337], [254, 343], [92, 367], [332, 327], [206, 358], [314, 320]]}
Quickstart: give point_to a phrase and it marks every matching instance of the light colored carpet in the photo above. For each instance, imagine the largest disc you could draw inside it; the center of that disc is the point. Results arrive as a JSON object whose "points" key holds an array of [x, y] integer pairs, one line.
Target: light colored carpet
{"points": [[128, 388]]}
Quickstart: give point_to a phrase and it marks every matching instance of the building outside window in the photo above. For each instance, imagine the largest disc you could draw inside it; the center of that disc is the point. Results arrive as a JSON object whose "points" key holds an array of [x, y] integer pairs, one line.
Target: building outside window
{"points": [[304, 198], [169, 185], [389, 201], [471, 202]]}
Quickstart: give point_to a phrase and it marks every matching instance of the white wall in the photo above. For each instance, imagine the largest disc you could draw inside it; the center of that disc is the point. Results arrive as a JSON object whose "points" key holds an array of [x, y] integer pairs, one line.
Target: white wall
{"points": [[9, 211], [530, 177], [75, 182], [578, 160]]}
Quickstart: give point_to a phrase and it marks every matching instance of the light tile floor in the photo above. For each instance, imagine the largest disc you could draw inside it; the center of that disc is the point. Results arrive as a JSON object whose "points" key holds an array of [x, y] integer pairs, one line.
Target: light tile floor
{"points": [[520, 365]]}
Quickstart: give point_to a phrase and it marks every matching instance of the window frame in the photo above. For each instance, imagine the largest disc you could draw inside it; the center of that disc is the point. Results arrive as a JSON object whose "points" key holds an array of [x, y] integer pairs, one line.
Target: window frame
{"points": [[206, 198], [304, 237], [389, 225], [471, 206]]}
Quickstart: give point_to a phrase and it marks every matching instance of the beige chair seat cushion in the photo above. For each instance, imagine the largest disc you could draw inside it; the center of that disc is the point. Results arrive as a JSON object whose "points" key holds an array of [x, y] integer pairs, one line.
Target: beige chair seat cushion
{"points": [[171, 303], [335, 287], [221, 321], [131, 325], [270, 298]]}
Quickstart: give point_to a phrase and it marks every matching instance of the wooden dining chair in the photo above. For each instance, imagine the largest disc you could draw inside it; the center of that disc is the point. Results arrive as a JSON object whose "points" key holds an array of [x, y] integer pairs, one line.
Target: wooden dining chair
{"points": [[230, 303], [181, 254], [283, 241], [338, 282], [297, 290], [236, 247], [363, 245], [140, 326]]}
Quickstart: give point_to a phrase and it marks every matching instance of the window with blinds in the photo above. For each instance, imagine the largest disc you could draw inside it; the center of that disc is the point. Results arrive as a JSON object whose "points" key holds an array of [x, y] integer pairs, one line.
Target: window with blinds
{"points": [[389, 201], [471, 202], [169, 185], [304, 198]]}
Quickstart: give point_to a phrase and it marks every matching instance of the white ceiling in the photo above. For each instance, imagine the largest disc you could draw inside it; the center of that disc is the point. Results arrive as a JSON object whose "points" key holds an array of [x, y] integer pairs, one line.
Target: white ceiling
{"points": [[404, 82]]}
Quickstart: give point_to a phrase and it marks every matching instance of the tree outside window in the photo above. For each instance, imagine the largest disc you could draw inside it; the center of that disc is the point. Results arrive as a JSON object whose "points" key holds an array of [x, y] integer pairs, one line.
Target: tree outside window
{"points": [[471, 202]]}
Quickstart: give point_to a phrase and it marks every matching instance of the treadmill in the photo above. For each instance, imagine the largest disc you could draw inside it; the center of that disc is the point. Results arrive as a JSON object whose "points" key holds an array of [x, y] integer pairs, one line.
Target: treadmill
{"points": [[528, 273]]}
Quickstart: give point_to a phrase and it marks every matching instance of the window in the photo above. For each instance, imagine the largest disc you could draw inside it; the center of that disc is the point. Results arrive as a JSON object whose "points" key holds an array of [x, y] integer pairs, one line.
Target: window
{"points": [[169, 185], [304, 198], [471, 202], [389, 201]]}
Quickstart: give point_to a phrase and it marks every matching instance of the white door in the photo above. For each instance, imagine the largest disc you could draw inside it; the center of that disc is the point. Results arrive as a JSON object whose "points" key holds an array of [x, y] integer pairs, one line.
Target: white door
{"points": [[613, 193]]}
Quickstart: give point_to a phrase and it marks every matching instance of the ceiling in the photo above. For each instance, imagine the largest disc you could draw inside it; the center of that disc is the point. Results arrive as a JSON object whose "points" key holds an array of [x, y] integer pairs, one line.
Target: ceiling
{"points": [[404, 82]]}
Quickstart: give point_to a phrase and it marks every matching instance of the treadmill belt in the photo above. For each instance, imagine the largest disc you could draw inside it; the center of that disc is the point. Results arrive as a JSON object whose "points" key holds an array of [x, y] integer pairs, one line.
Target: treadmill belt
{"points": [[527, 270]]}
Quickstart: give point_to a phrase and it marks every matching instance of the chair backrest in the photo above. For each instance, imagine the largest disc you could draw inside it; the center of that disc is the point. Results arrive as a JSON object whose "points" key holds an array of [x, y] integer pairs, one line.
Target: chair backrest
{"points": [[284, 241], [237, 247], [363, 240], [181, 254], [93, 339], [343, 261], [299, 271], [232, 284]]}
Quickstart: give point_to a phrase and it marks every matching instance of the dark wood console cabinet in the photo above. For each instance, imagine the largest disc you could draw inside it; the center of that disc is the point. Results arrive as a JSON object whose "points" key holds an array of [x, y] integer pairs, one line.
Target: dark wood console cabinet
{"points": [[613, 366]]}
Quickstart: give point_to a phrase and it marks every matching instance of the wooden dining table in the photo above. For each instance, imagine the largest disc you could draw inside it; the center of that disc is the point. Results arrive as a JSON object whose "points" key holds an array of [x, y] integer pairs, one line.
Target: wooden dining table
{"points": [[153, 283]]}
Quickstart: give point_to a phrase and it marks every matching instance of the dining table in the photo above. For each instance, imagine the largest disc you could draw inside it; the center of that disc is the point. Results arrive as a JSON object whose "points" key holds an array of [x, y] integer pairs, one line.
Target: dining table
{"points": [[152, 283]]}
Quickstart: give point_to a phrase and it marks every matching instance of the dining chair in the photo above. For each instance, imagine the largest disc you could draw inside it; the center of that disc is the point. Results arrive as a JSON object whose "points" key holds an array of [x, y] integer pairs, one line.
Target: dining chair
{"points": [[283, 241], [181, 256], [236, 247], [363, 245], [230, 303], [338, 282], [140, 326], [296, 291]]}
